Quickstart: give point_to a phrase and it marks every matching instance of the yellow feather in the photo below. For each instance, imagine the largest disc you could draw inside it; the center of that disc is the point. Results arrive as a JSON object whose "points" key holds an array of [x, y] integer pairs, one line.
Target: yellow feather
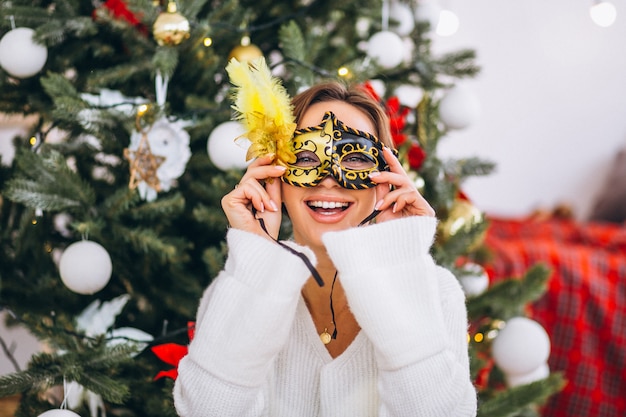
{"points": [[264, 108]]}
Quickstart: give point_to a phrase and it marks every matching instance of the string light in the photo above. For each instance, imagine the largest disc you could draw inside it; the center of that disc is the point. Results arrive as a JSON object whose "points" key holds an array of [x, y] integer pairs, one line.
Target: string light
{"points": [[603, 13], [207, 41], [142, 109], [343, 72]]}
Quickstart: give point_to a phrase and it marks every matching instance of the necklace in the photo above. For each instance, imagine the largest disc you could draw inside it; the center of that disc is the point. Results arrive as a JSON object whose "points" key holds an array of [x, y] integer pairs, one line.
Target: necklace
{"points": [[326, 337]]}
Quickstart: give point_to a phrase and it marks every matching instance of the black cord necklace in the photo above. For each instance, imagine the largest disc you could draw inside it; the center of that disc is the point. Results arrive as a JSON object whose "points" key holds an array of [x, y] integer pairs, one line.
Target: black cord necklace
{"points": [[325, 337]]}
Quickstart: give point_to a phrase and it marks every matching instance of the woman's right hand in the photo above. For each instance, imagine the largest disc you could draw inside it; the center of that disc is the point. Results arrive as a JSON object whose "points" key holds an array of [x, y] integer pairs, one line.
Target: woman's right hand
{"points": [[258, 188]]}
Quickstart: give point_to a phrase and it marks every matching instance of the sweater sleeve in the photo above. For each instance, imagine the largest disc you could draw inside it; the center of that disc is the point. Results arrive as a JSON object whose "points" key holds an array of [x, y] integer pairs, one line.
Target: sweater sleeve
{"points": [[413, 311], [243, 321]]}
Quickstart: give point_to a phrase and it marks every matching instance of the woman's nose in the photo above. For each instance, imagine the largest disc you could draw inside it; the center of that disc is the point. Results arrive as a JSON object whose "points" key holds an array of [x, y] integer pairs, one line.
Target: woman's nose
{"points": [[328, 182]]}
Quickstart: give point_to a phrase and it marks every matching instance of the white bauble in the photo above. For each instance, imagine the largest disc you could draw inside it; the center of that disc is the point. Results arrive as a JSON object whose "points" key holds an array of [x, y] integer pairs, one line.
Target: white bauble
{"points": [[521, 347], [409, 95], [401, 18], [226, 149], [58, 413], [386, 48], [20, 56], [476, 281], [428, 11], [603, 13], [542, 372], [448, 23], [459, 108], [85, 267]]}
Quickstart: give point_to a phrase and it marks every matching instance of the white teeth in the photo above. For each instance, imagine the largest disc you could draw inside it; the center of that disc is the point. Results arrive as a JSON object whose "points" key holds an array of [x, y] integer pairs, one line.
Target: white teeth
{"points": [[327, 204]]}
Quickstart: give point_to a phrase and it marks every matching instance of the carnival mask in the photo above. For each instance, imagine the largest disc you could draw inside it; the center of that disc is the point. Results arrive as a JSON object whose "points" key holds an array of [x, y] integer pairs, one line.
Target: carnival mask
{"points": [[332, 148]]}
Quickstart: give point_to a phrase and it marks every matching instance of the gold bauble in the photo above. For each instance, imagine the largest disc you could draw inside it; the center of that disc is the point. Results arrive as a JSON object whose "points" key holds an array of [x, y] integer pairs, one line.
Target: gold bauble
{"points": [[245, 53], [461, 217], [170, 27]]}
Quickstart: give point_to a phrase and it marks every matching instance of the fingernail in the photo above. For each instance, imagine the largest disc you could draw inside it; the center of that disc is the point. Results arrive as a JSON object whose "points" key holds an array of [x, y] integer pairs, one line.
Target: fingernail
{"points": [[273, 205], [280, 168], [373, 174], [262, 208], [378, 204]]}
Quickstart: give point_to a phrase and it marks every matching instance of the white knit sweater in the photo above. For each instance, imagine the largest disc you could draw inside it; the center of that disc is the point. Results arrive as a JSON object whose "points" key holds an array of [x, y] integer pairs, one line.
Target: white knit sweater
{"points": [[256, 351]]}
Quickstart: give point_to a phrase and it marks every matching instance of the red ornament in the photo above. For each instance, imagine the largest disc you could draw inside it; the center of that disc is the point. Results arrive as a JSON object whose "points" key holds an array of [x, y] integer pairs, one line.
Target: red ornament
{"points": [[119, 10], [396, 113], [416, 156], [370, 89], [482, 377], [462, 196], [397, 119], [172, 353]]}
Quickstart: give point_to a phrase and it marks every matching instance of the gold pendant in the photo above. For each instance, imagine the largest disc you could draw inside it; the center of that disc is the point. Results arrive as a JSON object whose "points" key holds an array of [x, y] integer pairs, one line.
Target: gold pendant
{"points": [[325, 337]]}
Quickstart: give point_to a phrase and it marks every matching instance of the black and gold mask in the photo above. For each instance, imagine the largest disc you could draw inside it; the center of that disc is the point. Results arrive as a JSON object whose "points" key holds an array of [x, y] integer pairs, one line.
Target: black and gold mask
{"points": [[332, 148]]}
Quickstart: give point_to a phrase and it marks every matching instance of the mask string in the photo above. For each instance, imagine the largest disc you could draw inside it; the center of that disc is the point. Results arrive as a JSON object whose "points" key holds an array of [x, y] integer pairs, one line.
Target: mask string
{"points": [[310, 266], [332, 308], [300, 255]]}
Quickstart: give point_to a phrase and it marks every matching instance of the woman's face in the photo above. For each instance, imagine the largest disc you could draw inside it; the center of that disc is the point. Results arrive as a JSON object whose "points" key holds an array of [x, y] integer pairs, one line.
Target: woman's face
{"points": [[328, 206]]}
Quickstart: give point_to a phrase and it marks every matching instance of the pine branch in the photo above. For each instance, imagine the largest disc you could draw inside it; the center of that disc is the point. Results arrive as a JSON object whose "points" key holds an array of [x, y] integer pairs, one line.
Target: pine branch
{"points": [[292, 41], [149, 242], [47, 183], [56, 31], [26, 15], [163, 208], [470, 167], [508, 403], [462, 243], [118, 74], [295, 53], [89, 368], [506, 299], [120, 202], [165, 61], [457, 64], [56, 85], [36, 195]]}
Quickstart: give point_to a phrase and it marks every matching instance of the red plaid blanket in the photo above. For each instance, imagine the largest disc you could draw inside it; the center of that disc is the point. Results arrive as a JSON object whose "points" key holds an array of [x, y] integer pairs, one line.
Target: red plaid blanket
{"points": [[583, 310]]}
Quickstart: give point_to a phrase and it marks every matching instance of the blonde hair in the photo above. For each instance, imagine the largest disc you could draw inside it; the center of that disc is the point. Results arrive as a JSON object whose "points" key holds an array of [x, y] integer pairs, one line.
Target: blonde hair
{"points": [[354, 95]]}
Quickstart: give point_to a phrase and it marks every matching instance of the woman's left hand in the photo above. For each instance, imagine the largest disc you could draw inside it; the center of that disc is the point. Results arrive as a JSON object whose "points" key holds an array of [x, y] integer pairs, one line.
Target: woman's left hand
{"points": [[403, 199]]}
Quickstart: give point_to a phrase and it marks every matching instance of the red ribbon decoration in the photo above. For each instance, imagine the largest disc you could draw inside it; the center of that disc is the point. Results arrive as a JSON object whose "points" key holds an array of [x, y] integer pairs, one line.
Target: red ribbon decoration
{"points": [[172, 353], [118, 9]]}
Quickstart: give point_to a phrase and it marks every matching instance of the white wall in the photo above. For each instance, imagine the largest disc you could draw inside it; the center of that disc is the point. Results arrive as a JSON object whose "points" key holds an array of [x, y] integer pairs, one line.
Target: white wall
{"points": [[20, 344], [553, 96]]}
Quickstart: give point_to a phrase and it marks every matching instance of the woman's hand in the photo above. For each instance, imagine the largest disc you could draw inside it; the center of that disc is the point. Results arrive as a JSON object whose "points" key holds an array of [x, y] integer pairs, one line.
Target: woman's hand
{"points": [[404, 199], [259, 188]]}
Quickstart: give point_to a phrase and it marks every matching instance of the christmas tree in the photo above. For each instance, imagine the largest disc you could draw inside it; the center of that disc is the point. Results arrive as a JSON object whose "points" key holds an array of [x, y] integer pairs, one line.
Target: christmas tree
{"points": [[111, 225]]}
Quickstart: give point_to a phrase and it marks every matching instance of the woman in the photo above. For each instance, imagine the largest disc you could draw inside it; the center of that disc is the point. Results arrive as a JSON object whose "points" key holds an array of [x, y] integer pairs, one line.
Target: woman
{"points": [[400, 346]]}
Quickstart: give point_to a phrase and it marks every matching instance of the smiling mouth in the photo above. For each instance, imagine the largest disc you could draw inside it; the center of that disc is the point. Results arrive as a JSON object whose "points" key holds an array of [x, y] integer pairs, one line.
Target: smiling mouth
{"points": [[327, 206]]}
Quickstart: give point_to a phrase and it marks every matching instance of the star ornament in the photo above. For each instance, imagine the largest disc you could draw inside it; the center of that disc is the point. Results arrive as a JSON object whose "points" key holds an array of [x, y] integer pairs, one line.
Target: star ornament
{"points": [[143, 165]]}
